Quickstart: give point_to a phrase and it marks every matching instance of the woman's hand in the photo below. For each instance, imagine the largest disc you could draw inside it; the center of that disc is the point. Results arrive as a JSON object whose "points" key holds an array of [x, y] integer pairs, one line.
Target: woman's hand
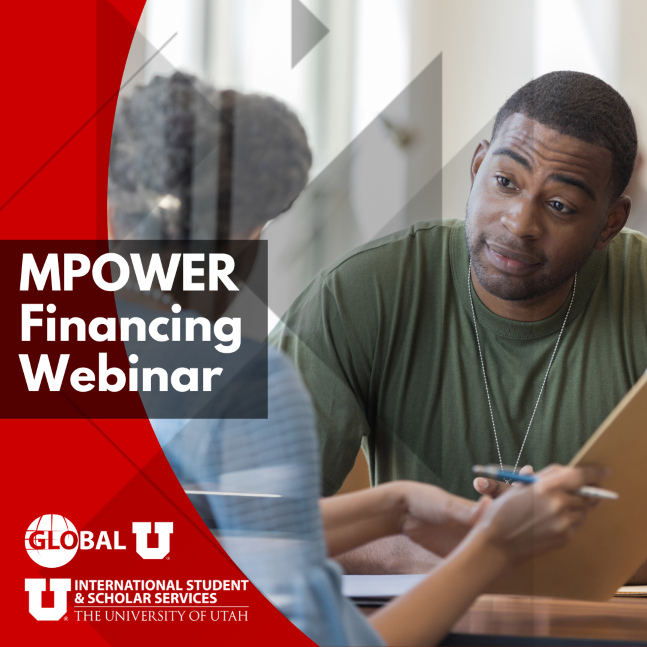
{"points": [[522, 522], [426, 514], [529, 520], [436, 519]]}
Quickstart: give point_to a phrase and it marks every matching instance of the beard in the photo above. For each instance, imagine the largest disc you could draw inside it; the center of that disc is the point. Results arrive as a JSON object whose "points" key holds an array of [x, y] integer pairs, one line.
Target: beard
{"points": [[550, 275]]}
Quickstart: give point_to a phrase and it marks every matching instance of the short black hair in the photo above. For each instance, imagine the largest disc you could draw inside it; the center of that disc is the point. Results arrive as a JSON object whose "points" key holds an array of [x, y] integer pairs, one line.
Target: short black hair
{"points": [[582, 106]]}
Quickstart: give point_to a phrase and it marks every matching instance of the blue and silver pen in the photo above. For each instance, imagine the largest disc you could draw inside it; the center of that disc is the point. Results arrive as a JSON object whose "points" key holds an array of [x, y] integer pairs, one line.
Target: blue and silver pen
{"points": [[507, 475]]}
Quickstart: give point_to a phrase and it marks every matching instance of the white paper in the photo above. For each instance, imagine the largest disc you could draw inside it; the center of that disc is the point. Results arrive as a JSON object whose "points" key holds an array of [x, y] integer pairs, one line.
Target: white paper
{"points": [[378, 586]]}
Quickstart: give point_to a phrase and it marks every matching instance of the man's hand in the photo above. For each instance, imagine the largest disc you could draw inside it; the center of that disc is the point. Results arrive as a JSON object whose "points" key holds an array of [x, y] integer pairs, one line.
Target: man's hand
{"points": [[398, 526], [394, 555], [428, 521], [531, 520], [492, 488]]}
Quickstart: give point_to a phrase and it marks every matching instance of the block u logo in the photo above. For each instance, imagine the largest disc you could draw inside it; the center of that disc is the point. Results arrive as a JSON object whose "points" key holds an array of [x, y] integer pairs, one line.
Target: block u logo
{"points": [[60, 587], [163, 529]]}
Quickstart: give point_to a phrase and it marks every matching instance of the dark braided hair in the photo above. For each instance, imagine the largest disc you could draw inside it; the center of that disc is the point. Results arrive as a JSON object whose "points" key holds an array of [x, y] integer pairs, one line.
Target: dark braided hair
{"points": [[177, 141], [582, 106]]}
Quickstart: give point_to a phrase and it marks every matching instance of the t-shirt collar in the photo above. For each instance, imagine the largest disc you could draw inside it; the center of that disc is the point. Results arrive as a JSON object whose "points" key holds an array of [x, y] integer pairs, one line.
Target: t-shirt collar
{"points": [[587, 279]]}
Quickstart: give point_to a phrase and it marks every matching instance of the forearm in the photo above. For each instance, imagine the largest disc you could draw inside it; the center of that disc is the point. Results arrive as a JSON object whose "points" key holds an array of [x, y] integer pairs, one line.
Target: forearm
{"points": [[427, 613], [352, 520], [396, 555], [390, 518]]}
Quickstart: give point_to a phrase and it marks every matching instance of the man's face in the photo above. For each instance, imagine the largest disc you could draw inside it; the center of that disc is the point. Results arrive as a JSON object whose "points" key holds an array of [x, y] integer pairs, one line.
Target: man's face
{"points": [[537, 209]]}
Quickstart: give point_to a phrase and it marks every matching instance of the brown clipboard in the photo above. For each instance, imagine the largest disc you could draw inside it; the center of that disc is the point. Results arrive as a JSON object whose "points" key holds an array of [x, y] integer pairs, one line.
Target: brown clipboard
{"points": [[612, 542]]}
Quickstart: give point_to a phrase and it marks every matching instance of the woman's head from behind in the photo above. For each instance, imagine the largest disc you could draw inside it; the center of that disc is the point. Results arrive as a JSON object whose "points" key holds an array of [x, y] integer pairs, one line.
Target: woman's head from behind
{"points": [[188, 161]]}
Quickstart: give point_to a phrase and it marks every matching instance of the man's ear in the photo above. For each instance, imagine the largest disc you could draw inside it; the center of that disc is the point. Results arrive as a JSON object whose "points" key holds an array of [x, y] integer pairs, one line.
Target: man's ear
{"points": [[479, 156], [616, 220]]}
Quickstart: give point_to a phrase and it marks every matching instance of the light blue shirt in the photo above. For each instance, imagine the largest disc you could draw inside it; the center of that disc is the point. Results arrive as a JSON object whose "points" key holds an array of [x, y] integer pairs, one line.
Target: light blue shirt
{"points": [[278, 540]]}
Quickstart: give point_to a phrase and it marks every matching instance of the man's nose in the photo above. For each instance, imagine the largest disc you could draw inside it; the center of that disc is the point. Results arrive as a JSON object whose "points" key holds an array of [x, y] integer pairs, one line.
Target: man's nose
{"points": [[523, 219]]}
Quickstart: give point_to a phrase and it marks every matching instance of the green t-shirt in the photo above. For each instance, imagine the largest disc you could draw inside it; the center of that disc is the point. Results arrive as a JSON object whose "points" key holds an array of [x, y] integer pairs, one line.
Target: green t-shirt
{"points": [[385, 341]]}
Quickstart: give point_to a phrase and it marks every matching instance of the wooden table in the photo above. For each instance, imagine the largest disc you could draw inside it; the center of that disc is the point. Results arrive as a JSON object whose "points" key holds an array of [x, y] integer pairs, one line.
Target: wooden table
{"points": [[533, 619]]}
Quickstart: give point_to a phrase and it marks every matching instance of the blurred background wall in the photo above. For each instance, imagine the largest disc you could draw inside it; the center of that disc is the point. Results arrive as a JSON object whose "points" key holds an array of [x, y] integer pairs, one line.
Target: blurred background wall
{"points": [[394, 98]]}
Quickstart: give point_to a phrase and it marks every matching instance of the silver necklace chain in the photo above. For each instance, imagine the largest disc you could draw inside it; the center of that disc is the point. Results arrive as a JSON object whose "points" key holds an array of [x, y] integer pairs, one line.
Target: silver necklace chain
{"points": [[487, 390]]}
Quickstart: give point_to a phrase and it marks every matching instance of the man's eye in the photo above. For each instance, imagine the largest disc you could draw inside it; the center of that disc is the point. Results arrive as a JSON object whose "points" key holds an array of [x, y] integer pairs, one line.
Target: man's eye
{"points": [[505, 182], [559, 206]]}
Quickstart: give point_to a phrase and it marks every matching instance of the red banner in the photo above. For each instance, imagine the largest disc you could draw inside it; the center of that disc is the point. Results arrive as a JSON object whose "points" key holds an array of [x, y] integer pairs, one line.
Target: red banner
{"points": [[101, 544]]}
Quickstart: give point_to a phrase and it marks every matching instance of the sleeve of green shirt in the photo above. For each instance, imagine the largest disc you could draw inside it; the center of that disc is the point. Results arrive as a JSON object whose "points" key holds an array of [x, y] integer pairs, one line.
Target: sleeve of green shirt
{"points": [[313, 335]]}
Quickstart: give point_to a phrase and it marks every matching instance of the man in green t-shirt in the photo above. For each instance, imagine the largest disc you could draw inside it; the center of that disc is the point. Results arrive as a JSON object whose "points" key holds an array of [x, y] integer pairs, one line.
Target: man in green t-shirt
{"points": [[507, 338]]}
